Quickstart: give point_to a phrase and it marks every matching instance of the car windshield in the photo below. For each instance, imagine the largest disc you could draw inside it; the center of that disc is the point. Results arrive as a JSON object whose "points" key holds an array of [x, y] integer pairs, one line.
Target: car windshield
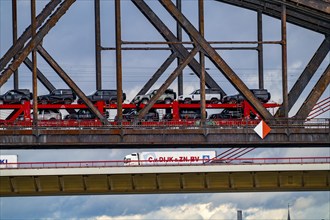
{"points": [[195, 92], [152, 92]]}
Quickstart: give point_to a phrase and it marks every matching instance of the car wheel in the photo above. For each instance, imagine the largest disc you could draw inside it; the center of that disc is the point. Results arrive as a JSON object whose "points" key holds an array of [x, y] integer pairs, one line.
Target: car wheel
{"points": [[112, 101], [167, 101], [23, 100], [187, 101], [67, 101], [43, 101], [214, 101], [233, 101], [145, 101]]}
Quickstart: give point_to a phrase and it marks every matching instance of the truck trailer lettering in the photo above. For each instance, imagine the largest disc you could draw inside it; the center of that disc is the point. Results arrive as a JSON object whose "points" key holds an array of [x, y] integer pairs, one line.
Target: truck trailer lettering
{"points": [[3, 161]]}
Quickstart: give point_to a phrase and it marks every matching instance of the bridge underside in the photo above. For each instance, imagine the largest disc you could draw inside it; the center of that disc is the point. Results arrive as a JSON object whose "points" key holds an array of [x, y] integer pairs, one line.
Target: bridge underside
{"points": [[153, 137], [184, 182], [132, 138]]}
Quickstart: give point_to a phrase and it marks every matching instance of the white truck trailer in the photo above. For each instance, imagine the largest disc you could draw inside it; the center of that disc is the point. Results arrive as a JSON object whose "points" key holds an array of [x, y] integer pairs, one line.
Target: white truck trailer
{"points": [[8, 161], [169, 158]]}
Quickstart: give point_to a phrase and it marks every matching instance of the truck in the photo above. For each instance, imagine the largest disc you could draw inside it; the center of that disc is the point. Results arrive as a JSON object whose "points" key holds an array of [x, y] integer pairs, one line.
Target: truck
{"points": [[8, 161], [169, 158]]}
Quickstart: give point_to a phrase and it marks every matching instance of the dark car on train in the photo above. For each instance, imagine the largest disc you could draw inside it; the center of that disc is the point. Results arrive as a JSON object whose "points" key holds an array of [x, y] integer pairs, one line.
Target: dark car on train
{"points": [[107, 95], [261, 94], [58, 96], [16, 96]]}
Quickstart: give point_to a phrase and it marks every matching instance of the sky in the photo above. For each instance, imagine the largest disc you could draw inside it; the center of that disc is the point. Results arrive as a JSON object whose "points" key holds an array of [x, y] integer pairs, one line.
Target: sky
{"points": [[71, 43]]}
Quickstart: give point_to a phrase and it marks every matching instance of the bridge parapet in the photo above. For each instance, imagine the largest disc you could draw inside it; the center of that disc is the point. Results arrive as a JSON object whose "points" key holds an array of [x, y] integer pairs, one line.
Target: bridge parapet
{"points": [[290, 133]]}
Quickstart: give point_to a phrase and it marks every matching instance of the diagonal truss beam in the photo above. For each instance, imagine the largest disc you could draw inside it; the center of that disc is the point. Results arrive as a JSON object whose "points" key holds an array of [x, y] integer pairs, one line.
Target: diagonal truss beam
{"points": [[157, 74], [70, 83], [180, 50], [50, 23], [19, 44], [307, 74], [216, 59], [168, 82], [314, 95], [40, 76]]}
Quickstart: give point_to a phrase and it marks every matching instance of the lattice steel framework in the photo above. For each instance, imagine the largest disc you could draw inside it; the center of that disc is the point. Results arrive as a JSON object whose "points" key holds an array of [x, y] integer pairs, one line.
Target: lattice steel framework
{"points": [[313, 15]]}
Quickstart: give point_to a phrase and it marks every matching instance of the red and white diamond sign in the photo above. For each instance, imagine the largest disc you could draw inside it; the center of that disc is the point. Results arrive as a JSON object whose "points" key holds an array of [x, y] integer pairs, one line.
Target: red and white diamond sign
{"points": [[262, 129]]}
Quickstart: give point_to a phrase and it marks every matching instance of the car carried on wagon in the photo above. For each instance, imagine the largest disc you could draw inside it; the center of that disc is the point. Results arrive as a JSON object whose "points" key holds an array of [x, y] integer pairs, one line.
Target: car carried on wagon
{"points": [[212, 95], [109, 96], [167, 97], [16, 96], [261, 94], [58, 96]]}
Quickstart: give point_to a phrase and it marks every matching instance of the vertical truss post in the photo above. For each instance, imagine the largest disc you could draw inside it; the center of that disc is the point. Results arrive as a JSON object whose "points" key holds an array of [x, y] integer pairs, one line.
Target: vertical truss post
{"points": [[70, 83], [119, 61], [42, 78], [157, 74], [34, 64], [97, 44], [217, 60], [48, 25], [14, 18], [260, 51], [202, 61], [168, 82], [284, 63], [307, 74], [15, 48], [170, 37], [179, 36]]}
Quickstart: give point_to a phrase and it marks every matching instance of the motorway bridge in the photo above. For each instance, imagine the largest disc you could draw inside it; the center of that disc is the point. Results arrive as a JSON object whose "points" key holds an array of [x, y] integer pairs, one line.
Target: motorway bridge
{"points": [[112, 177]]}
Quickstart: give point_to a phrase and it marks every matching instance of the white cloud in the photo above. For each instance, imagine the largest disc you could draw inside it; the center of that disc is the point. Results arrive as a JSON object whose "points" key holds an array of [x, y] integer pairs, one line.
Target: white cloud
{"points": [[304, 208], [187, 211]]}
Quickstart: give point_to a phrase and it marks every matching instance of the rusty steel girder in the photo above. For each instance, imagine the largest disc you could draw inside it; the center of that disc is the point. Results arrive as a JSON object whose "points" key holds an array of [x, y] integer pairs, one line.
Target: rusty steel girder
{"points": [[314, 95], [313, 15], [157, 74], [216, 59], [180, 50], [43, 79], [307, 74], [19, 43], [70, 83], [31, 45], [168, 82]]}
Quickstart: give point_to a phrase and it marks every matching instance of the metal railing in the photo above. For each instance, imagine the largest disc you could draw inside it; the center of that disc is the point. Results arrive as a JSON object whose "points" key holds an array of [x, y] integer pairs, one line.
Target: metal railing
{"points": [[120, 163], [315, 123]]}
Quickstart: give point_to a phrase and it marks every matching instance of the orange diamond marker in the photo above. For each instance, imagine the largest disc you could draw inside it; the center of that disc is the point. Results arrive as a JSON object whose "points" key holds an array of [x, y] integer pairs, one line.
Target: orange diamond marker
{"points": [[262, 129]]}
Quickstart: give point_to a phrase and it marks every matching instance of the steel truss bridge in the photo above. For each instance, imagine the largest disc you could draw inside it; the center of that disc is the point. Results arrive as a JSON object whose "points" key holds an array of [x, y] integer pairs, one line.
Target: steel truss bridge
{"points": [[286, 132], [111, 177]]}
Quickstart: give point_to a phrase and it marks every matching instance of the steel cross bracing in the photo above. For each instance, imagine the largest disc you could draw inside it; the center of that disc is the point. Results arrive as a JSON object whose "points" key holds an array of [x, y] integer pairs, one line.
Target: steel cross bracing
{"points": [[308, 14]]}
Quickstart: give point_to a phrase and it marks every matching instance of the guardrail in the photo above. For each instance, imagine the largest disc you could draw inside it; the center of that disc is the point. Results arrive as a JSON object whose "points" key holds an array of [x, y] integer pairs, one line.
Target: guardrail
{"points": [[120, 163], [316, 123]]}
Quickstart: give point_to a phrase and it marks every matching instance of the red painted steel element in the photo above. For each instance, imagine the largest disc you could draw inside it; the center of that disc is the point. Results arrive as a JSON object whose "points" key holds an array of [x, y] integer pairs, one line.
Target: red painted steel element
{"points": [[320, 108]]}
